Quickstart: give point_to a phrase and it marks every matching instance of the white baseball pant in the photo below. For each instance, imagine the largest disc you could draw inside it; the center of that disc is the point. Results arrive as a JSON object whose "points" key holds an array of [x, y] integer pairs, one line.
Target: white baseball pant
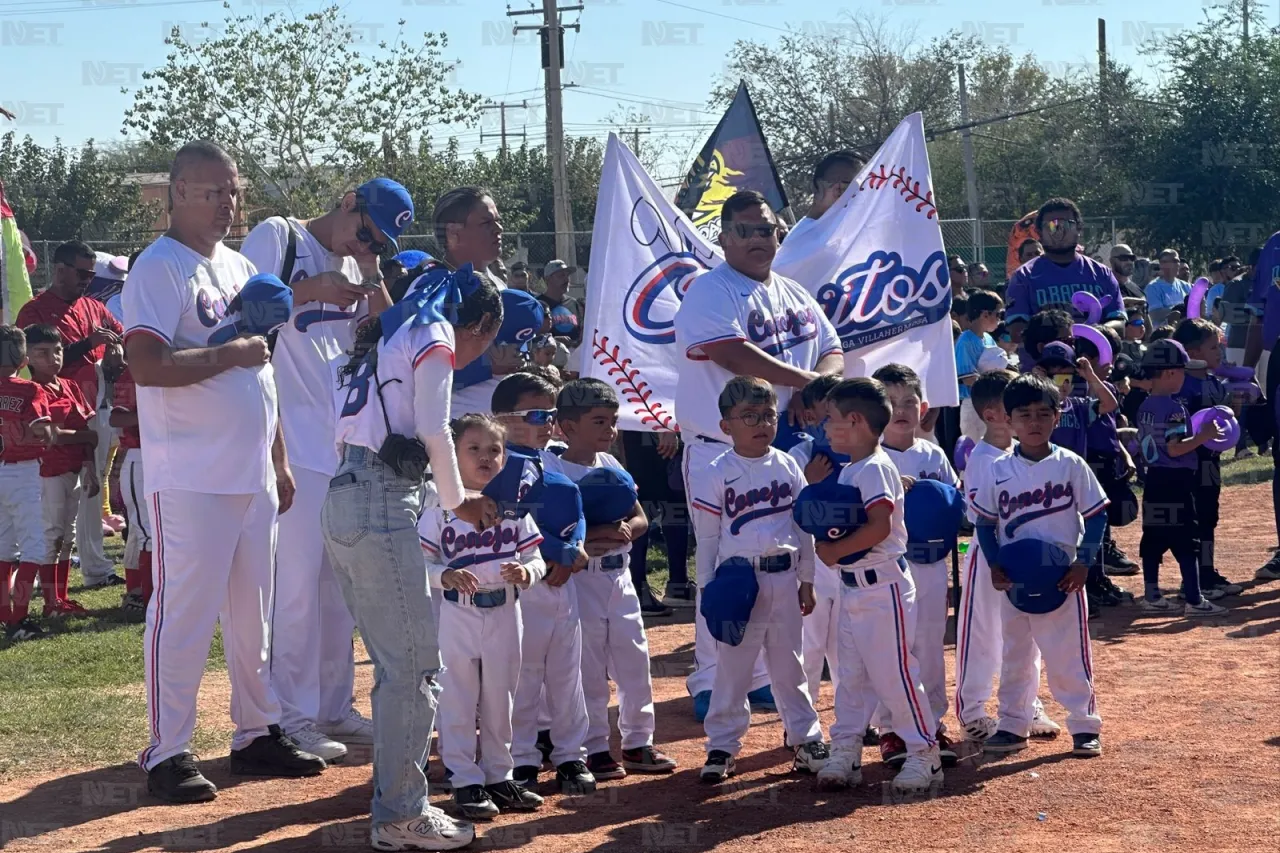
{"points": [[774, 629], [877, 624], [480, 650], [613, 644], [979, 639], [312, 656], [59, 504], [1063, 638], [820, 636], [550, 677], [930, 634], [138, 507], [21, 522], [698, 454], [94, 564], [212, 564]]}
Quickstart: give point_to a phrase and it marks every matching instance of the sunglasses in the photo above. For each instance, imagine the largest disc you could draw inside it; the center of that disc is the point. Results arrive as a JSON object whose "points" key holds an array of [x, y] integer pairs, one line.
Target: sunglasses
{"points": [[83, 275], [1123, 258], [745, 231], [753, 419], [365, 235], [534, 417], [1053, 226], [961, 269]]}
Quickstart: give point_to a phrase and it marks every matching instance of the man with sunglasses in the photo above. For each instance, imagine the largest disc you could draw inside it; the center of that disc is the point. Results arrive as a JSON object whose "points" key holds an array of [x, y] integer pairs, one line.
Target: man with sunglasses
{"points": [[1050, 280], [337, 282], [88, 330], [959, 275], [743, 319]]}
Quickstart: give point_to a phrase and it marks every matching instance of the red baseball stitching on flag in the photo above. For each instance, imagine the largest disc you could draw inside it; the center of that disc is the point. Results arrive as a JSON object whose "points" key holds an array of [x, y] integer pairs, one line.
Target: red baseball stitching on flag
{"points": [[634, 390], [907, 187]]}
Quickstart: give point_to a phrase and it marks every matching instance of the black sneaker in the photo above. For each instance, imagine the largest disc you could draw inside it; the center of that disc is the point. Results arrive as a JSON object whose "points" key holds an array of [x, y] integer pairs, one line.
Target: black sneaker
{"points": [[1270, 569], [112, 579], [1116, 562], [544, 745], [604, 768], [179, 780], [1086, 745], [274, 754], [719, 767], [649, 605], [27, 629], [475, 803], [575, 779], [1213, 579], [511, 797], [526, 775], [871, 737], [1003, 742]]}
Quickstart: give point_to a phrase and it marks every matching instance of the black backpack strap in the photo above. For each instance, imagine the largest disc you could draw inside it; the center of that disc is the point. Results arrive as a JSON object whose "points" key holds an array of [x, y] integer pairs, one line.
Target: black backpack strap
{"points": [[290, 254]]}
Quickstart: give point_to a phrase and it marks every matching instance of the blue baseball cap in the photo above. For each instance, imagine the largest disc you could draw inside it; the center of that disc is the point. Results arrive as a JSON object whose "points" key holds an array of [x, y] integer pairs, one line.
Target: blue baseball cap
{"points": [[388, 206], [829, 511], [1035, 568], [522, 317], [556, 504], [510, 488], [608, 495], [932, 512], [412, 258], [727, 600], [263, 305]]}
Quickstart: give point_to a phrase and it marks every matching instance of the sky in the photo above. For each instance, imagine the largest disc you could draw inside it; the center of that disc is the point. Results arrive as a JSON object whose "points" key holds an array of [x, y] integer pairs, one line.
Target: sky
{"points": [[63, 62]]}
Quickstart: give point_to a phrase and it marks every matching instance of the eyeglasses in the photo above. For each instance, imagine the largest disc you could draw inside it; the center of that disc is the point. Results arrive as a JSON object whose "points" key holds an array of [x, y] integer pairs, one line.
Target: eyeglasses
{"points": [[1053, 226], [534, 417], [365, 235], [745, 231], [752, 419]]}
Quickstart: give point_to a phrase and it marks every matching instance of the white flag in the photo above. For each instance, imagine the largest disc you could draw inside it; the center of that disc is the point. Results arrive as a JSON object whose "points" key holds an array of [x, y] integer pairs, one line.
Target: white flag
{"points": [[876, 264], [644, 255]]}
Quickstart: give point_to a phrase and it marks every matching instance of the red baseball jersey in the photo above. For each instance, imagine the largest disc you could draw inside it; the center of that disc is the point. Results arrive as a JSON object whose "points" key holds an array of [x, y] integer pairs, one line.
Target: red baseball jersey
{"points": [[67, 410], [76, 321], [22, 403], [125, 399]]}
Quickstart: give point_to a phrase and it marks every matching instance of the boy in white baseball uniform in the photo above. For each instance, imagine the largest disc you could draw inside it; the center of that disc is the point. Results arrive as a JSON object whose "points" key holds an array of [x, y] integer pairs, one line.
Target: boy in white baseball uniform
{"points": [[331, 265], [920, 460], [978, 631], [878, 602], [743, 510], [66, 469], [217, 473], [551, 648], [1041, 492], [614, 643], [480, 575]]}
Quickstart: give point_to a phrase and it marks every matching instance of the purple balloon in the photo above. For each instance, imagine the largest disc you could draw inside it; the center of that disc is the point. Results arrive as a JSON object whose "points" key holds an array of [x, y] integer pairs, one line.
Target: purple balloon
{"points": [[1226, 419], [1234, 373], [1249, 390], [1088, 305], [963, 448], [1093, 336], [1195, 301]]}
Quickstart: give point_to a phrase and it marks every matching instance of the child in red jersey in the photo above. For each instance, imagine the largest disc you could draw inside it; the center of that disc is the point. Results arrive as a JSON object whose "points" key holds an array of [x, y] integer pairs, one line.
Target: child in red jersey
{"points": [[25, 432], [137, 552]]}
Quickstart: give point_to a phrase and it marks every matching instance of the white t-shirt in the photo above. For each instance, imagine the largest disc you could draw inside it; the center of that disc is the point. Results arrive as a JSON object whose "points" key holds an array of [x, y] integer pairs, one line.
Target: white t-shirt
{"points": [[923, 460], [215, 436], [877, 478], [978, 469], [311, 347], [1046, 500], [779, 317], [575, 472], [826, 582], [742, 508], [448, 542], [475, 399]]}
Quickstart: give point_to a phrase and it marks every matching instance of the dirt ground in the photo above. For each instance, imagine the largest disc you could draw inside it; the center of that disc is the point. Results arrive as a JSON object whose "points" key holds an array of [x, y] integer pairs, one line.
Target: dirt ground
{"points": [[1191, 763]]}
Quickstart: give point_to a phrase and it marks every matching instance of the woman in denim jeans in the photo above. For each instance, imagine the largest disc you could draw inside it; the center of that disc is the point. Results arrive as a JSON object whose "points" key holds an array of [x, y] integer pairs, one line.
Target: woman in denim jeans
{"points": [[399, 395]]}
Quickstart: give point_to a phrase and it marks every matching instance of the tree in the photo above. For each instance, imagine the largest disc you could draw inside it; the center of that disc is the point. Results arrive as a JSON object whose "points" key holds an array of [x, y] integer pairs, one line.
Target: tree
{"points": [[302, 108], [58, 193]]}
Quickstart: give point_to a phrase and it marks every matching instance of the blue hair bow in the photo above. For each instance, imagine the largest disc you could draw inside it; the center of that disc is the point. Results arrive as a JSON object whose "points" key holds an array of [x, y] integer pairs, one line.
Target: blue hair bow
{"points": [[433, 297]]}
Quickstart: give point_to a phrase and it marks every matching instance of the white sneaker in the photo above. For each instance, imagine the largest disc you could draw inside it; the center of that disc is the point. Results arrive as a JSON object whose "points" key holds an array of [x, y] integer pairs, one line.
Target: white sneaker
{"points": [[1159, 605], [309, 739], [981, 728], [435, 830], [1204, 608], [920, 772], [842, 769], [1042, 725], [810, 757], [355, 729]]}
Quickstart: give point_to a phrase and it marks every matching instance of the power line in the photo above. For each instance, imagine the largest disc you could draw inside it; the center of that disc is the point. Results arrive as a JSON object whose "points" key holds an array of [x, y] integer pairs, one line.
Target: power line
{"points": [[728, 17], [81, 7]]}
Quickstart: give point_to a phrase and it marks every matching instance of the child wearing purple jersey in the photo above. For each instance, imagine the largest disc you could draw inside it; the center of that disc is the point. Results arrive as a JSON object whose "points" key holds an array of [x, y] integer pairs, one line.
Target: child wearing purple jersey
{"points": [[1168, 505], [1059, 364]]}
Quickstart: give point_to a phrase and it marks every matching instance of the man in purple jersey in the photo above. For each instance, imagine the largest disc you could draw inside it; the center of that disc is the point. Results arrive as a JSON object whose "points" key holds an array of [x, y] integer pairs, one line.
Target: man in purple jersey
{"points": [[1050, 280]]}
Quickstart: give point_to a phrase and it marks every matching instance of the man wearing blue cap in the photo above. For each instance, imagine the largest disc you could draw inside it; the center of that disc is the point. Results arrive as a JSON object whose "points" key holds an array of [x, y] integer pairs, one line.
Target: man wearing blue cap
{"points": [[332, 265]]}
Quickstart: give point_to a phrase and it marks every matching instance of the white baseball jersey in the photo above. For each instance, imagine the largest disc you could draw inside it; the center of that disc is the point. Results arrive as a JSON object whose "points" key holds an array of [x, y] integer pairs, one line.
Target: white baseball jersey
{"points": [[311, 346], [825, 580], [575, 472], [475, 399], [451, 543], [978, 469], [743, 507], [779, 317], [923, 460], [213, 437], [877, 478], [360, 412], [1046, 500]]}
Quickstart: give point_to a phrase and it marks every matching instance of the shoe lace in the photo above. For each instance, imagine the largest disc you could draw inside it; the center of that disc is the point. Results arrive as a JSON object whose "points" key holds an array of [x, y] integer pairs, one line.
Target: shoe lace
{"points": [[185, 766], [573, 768]]}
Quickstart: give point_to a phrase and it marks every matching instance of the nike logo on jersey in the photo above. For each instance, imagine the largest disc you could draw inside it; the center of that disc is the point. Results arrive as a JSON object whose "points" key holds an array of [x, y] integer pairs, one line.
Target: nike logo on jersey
{"points": [[734, 480], [306, 319]]}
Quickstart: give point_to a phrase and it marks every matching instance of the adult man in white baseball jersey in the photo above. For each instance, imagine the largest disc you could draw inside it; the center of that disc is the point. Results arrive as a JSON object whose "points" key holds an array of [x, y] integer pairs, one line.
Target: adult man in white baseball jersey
{"points": [[217, 473], [741, 318], [333, 271]]}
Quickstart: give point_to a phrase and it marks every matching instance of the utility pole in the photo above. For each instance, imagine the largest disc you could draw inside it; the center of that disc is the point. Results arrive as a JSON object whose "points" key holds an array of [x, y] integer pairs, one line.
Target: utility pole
{"points": [[1244, 12], [502, 111], [635, 138], [552, 32], [1102, 73], [970, 170]]}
